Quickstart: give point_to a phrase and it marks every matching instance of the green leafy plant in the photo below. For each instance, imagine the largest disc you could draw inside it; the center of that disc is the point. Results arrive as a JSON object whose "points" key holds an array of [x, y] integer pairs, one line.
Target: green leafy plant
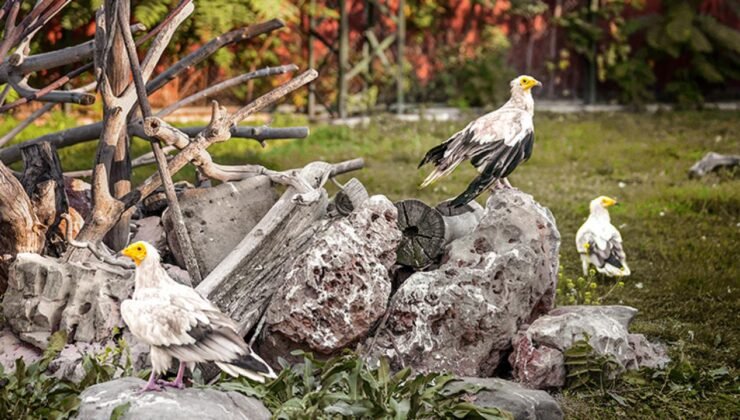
{"points": [[588, 369], [480, 78], [600, 34], [345, 387], [583, 290], [682, 32], [30, 392]]}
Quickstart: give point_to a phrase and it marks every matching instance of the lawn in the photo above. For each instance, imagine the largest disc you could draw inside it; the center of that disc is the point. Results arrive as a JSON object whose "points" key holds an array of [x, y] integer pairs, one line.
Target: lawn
{"points": [[682, 236]]}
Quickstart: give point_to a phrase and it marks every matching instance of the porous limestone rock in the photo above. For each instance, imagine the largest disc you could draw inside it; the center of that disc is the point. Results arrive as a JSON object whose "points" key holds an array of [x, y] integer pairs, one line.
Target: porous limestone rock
{"points": [[45, 295], [536, 350], [522, 403], [99, 401], [218, 218], [462, 316], [338, 287]]}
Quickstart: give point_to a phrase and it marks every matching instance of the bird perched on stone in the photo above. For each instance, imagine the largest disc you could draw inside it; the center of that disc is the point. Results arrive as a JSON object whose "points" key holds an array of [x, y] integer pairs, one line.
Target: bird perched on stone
{"points": [[600, 243], [179, 323], [495, 143]]}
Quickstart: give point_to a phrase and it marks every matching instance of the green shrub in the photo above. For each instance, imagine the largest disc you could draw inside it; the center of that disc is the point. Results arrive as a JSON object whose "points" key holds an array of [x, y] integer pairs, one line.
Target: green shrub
{"points": [[345, 387], [478, 80]]}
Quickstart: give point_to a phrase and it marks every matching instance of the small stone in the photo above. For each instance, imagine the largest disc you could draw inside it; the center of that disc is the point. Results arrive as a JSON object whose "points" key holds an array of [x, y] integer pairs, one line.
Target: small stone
{"points": [[522, 403]]}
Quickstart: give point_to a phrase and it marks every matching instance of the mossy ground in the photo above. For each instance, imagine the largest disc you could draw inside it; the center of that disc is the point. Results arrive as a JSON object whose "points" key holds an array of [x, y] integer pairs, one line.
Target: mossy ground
{"points": [[682, 236]]}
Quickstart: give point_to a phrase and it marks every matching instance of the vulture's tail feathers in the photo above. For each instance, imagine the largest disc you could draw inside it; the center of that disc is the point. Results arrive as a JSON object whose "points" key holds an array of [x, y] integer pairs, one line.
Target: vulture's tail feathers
{"points": [[250, 365], [473, 190]]}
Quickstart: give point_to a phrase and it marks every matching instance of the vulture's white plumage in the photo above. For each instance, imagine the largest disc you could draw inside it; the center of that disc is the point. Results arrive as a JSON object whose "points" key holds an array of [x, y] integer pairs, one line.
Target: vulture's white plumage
{"points": [[600, 243], [495, 143], [179, 323]]}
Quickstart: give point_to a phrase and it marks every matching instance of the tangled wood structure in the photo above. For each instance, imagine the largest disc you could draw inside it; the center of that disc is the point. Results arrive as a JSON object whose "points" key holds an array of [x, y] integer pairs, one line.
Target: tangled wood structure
{"points": [[35, 215]]}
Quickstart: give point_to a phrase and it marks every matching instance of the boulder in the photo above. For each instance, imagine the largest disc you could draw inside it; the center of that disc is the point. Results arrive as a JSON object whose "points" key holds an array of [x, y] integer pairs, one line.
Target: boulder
{"points": [[338, 287], [462, 316], [45, 295], [218, 218], [99, 401], [522, 403], [537, 348]]}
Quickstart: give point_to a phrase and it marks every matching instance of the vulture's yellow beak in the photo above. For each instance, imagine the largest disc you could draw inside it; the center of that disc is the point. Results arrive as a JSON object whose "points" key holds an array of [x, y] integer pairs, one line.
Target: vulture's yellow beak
{"points": [[136, 251], [608, 202]]}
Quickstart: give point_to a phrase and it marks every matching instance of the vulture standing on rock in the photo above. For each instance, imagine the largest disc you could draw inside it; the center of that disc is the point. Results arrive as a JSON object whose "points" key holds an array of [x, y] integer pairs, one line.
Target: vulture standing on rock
{"points": [[179, 323], [495, 143], [600, 243]]}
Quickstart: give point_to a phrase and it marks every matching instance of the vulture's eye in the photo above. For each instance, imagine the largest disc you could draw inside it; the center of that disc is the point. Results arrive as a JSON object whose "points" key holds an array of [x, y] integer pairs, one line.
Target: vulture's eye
{"points": [[138, 248]]}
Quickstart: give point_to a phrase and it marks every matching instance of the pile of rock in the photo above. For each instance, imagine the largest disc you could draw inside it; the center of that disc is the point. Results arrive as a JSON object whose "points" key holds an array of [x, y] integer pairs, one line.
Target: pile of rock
{"points": [[469, 292]]}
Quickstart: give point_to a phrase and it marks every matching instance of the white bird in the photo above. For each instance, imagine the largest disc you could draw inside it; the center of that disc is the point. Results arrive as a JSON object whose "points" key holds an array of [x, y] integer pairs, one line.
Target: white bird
{"points": [[600, 243], [179, 323], [495, 143]]}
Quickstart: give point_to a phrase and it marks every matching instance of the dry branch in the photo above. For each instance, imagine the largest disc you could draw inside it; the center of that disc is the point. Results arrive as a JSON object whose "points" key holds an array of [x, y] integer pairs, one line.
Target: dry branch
{"points": [[211, 47], [183, 239], [217, 131]]}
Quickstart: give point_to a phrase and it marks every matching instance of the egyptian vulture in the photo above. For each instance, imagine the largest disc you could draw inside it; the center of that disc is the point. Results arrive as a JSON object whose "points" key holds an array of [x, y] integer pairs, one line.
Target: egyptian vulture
{"points": [[495, 143], [178, 323], [600, 243]]}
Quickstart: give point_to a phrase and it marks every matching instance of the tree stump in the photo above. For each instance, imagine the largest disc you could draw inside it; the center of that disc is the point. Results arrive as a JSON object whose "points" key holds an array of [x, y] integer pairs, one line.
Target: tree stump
{"points": [[44, 183], [459, 221], [20, 230], [423, 231]]}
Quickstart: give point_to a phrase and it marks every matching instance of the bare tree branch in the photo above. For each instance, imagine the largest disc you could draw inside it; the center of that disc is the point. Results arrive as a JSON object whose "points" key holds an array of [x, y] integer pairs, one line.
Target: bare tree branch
{"points": [[267, 71], [92, 132], [211, 47]]}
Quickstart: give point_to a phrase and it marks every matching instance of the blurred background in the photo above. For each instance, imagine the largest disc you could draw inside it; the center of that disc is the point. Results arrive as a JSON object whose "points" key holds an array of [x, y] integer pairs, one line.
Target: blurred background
{"points": [[387, 55]]}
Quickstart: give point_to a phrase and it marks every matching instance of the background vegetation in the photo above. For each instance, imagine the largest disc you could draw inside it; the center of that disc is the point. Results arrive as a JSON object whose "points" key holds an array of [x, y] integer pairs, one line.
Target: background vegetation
{"points": [[460, 51]]}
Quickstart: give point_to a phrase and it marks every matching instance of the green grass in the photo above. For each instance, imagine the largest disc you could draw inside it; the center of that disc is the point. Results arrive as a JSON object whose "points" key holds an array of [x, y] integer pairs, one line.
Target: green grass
{"points": [[682, 236]]}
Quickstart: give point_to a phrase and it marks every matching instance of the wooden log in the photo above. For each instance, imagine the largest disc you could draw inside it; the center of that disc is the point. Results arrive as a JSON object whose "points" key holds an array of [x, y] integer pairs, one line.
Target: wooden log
{"points": [[20, 230], [43, 182], [423, 233], [242, 284], [350, 197], [711, 162], [459, 221]]}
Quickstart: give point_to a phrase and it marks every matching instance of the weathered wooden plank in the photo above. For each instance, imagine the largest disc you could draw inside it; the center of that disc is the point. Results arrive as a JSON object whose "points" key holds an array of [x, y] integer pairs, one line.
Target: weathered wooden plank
{"points": [[242, 284]]}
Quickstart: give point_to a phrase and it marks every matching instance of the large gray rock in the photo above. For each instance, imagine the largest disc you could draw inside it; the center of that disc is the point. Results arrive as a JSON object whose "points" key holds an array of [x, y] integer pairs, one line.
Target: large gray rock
{"points": [[339, 287], [462, 316], [99, 401], [218, 218], [45, 295], [522, 403], [536, 350]]}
